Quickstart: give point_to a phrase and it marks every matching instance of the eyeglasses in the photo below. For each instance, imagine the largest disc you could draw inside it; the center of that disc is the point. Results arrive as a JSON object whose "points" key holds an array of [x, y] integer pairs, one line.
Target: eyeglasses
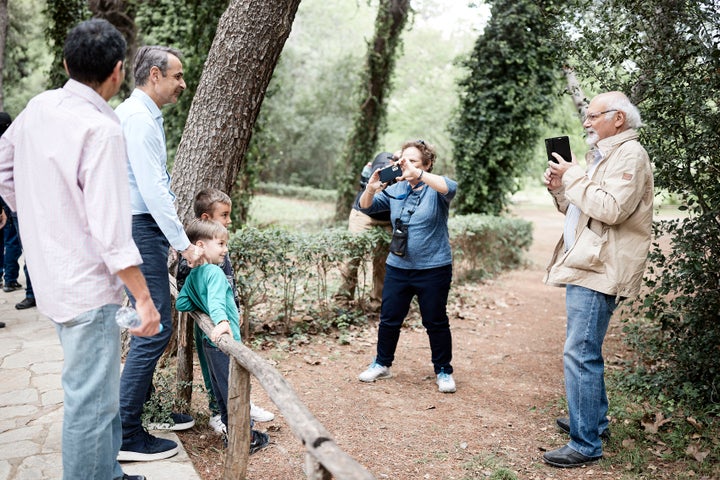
{"points": [[594, 116]]}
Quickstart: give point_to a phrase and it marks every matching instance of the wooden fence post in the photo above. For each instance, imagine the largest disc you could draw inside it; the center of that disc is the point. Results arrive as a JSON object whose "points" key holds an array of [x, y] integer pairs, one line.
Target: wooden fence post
{"points": [[236, 457]]}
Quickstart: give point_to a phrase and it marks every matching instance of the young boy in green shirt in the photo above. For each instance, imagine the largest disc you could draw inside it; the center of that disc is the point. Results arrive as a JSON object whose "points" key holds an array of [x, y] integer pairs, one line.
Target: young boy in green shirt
{"points": [[207, 289], [214, 204]]}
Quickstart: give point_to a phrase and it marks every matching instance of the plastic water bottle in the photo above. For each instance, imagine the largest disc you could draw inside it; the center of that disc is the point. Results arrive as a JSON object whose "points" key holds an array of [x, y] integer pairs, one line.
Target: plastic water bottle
{"points": [[127, 317]]}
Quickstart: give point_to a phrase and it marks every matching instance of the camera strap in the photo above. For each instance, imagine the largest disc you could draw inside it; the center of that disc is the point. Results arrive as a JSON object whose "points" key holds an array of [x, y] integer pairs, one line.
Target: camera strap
{"points": [[418, 197]]}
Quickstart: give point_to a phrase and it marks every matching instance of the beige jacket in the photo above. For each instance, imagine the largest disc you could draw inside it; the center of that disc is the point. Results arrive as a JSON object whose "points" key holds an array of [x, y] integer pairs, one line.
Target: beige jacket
{"points": [[614, 231]]}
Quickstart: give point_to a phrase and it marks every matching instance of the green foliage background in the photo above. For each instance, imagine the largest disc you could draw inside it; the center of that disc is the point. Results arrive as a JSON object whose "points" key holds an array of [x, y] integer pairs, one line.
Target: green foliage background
{"points": [[512, 84]]}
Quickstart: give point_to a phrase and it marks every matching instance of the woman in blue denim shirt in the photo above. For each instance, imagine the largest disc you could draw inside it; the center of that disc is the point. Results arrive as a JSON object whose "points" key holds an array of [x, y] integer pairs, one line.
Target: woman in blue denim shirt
{"points": [[420, 259]]}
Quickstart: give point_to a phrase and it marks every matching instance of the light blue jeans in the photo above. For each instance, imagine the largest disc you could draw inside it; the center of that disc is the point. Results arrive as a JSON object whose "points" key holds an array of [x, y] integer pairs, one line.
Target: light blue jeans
{"points": [[588, 316], [92, 432]]}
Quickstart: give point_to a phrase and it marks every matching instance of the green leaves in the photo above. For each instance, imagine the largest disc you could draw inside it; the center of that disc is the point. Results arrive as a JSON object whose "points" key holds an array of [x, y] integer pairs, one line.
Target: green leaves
{"points": [[513, 74]]}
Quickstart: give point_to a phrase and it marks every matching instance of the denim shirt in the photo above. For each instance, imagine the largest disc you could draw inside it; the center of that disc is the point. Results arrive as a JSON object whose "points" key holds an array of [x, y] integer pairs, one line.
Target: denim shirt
{"points": [[428, 243]]}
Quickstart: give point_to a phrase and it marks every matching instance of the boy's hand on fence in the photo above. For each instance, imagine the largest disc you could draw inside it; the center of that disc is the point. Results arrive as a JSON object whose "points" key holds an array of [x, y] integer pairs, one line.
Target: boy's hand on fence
{"points": [[220, 329]]}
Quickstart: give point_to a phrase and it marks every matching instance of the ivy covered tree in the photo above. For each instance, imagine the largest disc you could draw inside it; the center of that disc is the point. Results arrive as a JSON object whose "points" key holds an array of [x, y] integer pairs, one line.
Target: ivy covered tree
{"points": [[511, 86], [362, 143], [666, 55]]}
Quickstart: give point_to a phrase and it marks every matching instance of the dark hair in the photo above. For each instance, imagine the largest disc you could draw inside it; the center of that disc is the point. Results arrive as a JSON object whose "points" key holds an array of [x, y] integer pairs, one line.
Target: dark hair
{"points": [[426, 150], [151, 56], [199, 229], [92, 49], [205, 199]]}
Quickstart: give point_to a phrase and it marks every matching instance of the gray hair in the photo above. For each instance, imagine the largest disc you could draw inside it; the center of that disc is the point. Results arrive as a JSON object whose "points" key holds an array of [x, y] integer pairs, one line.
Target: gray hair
{"points": [[619, 101], [152, 56]]}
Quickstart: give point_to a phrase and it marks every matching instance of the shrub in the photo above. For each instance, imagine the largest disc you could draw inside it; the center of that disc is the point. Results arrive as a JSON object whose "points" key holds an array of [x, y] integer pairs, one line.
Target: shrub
{"points": [[286, 279]]}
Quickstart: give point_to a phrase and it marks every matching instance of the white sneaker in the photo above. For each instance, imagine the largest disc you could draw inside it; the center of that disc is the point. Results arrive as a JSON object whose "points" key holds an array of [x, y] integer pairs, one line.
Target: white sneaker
{"points": [[375, 372], [260, 414], [216, 424], [445, 382]]}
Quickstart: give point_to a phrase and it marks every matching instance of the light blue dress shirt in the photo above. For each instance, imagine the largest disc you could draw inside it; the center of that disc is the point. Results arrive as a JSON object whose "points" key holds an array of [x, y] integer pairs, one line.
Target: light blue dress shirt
{"points": [[142, 124]]}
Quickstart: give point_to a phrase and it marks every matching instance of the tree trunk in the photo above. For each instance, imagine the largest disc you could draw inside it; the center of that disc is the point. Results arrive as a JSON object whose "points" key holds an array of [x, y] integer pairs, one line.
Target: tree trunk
{"points": [[576, 92], [362, 143], [4, 22], [247, 45]]}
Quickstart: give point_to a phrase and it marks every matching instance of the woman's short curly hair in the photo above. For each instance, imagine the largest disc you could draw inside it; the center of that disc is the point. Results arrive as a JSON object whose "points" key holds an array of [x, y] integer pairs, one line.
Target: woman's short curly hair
{"points": [[427, 150]]}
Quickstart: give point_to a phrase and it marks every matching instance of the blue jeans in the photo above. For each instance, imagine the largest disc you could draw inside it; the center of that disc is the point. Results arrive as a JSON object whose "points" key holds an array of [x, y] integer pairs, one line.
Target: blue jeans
{"points": [[13, 249], [432, 287], [219, 365], [144, 353], [588, 317], [18, 244], [91, 431]]}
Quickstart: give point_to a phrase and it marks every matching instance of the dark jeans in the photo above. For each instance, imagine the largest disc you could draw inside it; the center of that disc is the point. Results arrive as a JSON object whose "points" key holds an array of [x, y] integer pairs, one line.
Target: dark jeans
{"points": [[144, 353], [13, 250], [219, 365], [432, 287]]}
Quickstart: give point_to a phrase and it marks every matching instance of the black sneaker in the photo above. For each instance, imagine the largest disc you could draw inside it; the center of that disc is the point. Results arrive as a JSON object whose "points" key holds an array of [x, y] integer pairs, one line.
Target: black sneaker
{"points": [[12, 286], [143, 447], [258, 441], [178, 422], [133, 477]]}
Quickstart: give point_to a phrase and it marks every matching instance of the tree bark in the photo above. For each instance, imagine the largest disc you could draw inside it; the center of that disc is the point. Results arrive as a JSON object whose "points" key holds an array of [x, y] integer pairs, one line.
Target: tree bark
{"points": [[362, 143], [576, 92], [247, 45]]}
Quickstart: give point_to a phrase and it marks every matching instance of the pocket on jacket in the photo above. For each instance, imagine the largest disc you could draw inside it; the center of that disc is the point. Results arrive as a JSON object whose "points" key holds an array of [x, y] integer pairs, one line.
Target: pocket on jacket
{"points": [[587, 252]]}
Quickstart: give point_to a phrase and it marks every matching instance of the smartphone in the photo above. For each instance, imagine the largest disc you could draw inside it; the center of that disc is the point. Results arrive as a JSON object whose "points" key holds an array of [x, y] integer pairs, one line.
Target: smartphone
{"points": [[559, 145], [389, 173]]}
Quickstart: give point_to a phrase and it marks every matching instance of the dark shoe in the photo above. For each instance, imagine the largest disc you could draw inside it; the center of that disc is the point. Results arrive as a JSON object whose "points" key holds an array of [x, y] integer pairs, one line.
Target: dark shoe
{"points": [[178, 422], [12, 286], [133, 477], [143, 447], [27, 302], [258, 441], [2, 324], [564, 425], [566, 457]]}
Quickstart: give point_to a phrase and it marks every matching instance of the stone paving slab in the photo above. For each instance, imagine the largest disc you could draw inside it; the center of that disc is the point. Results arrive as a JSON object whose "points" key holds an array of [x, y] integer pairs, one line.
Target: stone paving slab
{"points": [[31, 402]]}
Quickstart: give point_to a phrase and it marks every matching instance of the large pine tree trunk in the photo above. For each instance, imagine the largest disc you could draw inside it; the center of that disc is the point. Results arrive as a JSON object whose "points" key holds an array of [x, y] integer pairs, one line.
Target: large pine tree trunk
{"points": [[362, 144], [247, 45]]}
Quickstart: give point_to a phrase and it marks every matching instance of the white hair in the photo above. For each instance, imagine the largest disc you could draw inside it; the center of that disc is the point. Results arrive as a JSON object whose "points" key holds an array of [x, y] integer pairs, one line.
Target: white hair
{"points": [[622, 103]]}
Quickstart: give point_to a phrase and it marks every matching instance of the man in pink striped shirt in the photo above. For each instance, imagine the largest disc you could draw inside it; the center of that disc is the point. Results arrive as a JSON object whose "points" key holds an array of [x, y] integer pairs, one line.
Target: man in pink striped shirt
{"points": [[62, 168]]}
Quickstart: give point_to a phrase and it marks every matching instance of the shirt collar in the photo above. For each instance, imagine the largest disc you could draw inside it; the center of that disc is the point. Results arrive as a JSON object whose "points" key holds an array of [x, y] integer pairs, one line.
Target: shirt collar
{"points": [[84, 91], [148, 102]]}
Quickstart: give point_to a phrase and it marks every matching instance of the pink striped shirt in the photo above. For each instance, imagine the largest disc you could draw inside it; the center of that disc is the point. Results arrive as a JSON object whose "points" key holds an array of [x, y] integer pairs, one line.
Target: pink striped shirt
{"points": [[63, 169]]}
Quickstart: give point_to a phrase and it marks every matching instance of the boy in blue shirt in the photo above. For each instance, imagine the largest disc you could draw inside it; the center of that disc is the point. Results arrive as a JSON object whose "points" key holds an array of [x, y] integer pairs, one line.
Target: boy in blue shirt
{"points": [[207, 289]]}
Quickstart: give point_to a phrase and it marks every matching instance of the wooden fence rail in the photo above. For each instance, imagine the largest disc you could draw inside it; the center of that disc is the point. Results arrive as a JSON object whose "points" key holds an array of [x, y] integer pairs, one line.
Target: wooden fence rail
{"points": [[323, 460]]}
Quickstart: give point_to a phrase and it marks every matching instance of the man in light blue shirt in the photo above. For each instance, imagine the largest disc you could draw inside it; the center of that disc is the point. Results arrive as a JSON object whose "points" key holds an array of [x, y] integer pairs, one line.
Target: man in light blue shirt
{"points": [[156, 227]]}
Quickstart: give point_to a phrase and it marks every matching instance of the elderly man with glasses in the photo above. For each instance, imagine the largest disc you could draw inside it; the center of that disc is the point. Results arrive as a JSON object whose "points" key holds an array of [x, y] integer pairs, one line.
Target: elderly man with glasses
{"points": [[600, 260]]}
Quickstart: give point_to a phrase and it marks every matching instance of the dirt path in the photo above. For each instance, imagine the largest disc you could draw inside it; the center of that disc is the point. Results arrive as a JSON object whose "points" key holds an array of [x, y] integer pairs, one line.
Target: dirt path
{"points": [[507, 356]]}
